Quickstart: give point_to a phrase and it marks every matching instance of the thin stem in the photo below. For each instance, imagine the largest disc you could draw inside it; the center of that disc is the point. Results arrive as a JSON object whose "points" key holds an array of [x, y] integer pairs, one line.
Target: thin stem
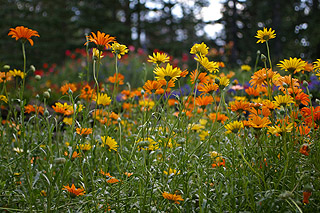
{"points": [[269, 54]]}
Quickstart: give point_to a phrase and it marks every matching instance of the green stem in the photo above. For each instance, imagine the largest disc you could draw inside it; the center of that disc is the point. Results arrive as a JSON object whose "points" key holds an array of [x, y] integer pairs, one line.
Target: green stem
{"points": [[269, 59]]}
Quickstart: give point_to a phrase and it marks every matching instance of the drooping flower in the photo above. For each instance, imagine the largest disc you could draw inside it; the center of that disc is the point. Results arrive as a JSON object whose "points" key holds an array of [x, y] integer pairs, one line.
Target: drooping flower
{"points": [[199, 49], [5, 76], [3, 98], [102, 40], [280, 129], [234, 127], [265, 35], [119, 49], [306, 196], [159, 58], [73, 191], [23, 33], [97, 54], [103, 99], [305, 150], [173, 197], [223, 82], [293, 65], [109, 142], [167, 73], [208, 65]]}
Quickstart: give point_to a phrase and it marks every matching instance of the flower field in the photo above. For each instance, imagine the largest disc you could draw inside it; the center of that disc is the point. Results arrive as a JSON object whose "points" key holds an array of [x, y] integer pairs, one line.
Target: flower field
{"points": [[86, 137]]}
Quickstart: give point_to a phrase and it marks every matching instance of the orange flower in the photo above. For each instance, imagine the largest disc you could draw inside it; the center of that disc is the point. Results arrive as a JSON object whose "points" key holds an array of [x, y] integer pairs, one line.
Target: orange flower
{"points": [[174, 197], [202, 77], [219, 163], [74, 192], [204, 100], [87, 93], [184, 73], [23, 33], [240, 106], [304, 149], [113, 180], [287, 80], [252, 91], [115, 78], [208, 88], [260, 77], [257, 122], [102, 40], [29, 108], [65, 88], [83, 131], [306, 196], [152, 86], [5, 76], [75, 155], [301, 98], [220, 117]]}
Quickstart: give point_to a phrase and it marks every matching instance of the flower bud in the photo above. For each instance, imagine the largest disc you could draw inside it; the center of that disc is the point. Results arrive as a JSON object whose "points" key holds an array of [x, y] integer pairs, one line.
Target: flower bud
{"points": [[317, 101], [38, 77], [305, 83], [46, 113], [217, 81], [142, 92], [46, 94], [33, 69], [59, 160], [258, 52], [70, 91], [285, 85], [49, 90], [37, 96], [263, 58], [7, 67]]}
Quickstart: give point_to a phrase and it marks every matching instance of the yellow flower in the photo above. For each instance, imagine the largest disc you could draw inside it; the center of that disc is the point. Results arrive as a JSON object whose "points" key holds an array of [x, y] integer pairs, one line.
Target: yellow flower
{"points": [[195, 127], [199, 49], [223, 82], [103, 99], [208, 65], [67, 121], [245, 68], [109, 142], [147, 144], [147, 103], [119, 49], [293, 65], [3, 98], [265, 35], [95, 53], [171, 172], [159, 58], [167, 73], [279, 130], [203, 134], [84, 147], [234, 127], [316, 65], [282, 100], [15, 73]]}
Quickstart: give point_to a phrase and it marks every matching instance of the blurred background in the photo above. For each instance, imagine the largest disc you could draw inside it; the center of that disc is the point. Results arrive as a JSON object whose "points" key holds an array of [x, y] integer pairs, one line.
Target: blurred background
{"points": [[172, 26]]}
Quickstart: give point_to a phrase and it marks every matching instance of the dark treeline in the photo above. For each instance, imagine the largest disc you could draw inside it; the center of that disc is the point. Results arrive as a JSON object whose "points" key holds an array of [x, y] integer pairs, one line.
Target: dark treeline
{"points": [[295, 22], [172, 26], [62, 25]]}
